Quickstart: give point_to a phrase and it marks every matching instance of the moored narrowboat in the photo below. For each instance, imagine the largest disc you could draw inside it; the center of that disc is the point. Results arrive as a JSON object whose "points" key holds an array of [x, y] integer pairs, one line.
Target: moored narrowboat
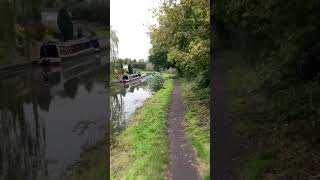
{"points": [[130, 77], [55, 51]]}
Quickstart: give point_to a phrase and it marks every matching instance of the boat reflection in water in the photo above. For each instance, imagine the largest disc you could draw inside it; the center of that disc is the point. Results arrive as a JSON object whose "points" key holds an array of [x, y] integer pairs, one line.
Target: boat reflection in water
{"points": [[49, 115], [125, 98]]}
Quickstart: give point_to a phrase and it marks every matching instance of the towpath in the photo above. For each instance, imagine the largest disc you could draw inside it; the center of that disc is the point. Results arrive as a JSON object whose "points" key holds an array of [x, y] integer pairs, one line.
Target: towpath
{"points": [[183, 164]]}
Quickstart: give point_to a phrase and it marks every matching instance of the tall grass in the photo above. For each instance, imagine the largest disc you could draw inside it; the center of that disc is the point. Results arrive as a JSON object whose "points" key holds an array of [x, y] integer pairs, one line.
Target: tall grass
{"points": [[198, 125]]}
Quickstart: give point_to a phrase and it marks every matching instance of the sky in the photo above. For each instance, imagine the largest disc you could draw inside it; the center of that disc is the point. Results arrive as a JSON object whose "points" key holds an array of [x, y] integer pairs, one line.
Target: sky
{"points": [[130, 19]]}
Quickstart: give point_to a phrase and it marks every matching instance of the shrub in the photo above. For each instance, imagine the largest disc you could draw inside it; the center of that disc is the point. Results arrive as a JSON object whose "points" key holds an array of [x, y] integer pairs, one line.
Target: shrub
{"points": [[156, 82]]}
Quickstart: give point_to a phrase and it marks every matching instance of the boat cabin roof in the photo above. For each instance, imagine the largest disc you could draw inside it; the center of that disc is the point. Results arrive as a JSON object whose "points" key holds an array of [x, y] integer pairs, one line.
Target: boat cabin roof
{"points": [[67, 43], [73, 42]]}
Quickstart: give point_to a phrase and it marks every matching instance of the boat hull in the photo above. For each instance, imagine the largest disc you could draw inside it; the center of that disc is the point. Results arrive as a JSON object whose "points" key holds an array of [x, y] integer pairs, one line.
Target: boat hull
{"points": [[131, 79]]}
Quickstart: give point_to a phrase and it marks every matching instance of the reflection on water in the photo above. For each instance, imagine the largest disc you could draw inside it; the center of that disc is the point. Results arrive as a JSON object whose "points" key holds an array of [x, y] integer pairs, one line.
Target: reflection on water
{"points": [[125, 99], [49, 115]]}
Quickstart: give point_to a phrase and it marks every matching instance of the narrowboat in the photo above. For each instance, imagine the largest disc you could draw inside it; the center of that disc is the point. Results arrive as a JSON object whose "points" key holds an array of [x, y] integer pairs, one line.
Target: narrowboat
{"points": [[129, 77], [55, 51]]}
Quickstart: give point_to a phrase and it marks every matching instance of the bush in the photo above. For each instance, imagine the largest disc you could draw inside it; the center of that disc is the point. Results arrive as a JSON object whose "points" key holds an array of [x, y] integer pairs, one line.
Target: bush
{"points": [[171, 71], [156, 82]]}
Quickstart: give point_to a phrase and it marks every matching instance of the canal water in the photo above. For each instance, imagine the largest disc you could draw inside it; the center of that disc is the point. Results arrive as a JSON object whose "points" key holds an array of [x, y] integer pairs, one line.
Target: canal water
{"points": [[49, 115], [125, 99]]}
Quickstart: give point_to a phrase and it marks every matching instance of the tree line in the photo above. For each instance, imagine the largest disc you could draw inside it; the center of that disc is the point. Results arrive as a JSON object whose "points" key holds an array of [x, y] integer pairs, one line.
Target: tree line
{"points": [[20, 23], [96, 11], [182, 39]]}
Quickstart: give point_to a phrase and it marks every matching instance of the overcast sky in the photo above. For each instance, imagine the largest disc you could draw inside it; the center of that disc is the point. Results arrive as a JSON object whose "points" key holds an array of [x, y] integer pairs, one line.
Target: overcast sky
{"points": [[130, 19]]}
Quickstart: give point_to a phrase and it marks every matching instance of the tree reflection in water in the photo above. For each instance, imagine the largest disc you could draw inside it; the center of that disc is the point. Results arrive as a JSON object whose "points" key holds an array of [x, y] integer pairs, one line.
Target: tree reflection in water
{"points": [[117, 109], [26, 100], [22, 137]]}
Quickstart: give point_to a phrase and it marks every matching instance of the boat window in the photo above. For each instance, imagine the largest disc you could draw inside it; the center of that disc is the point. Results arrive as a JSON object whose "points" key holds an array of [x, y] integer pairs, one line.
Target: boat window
{"points": [[49, 51], [95, 43]]}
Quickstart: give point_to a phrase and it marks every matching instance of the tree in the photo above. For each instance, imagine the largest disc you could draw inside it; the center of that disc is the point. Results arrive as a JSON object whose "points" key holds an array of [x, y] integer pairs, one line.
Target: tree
{"points": [[127, 60], [182, 37], [7, 30], [130, 69], [116, 63], [65, 24], [158, 57]]}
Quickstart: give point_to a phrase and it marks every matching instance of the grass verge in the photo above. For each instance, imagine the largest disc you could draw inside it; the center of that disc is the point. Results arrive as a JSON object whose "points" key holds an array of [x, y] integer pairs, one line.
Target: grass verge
{"points": [[102, 32], [142, 150], [198, 126]]}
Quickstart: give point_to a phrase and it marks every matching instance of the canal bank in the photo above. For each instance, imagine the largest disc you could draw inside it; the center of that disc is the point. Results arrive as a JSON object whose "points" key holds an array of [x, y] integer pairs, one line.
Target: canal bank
{"points": [[141, 150]]}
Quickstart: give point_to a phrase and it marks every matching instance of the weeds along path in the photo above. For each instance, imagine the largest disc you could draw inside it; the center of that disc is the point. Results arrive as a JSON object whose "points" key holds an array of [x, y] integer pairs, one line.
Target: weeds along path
{"points": [[183, 164]]}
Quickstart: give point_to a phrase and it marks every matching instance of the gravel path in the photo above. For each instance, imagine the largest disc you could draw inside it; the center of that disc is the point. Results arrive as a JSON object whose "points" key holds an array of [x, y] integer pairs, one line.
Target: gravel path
{"points": [[183, 164]]}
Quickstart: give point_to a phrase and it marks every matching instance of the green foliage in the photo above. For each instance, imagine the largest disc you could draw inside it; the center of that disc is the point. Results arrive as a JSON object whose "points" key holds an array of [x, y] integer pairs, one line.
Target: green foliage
{"points": [[130, 69], [139, 65], [156, 82], [282, 32], [280, 116], [14, 40], [198, 125], [92, 11], [158, 57], [65, 24], [102, 32], [182, 37], [256, 166], [171, 71], [116, 66]]}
